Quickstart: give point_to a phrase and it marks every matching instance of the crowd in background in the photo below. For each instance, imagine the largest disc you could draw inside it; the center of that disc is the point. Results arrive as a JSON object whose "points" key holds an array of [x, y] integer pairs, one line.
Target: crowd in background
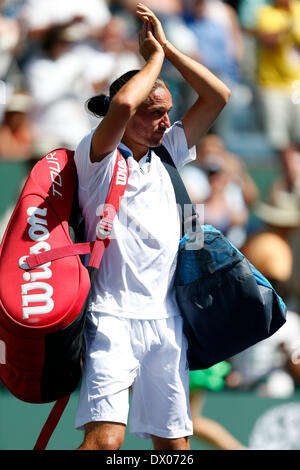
{"points": [[55, 54]]}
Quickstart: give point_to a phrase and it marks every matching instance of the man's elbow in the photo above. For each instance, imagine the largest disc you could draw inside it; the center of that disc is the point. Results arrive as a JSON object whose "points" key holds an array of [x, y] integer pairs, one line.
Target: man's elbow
{"points": [[221, 99], [123, 106], [225, 95]]}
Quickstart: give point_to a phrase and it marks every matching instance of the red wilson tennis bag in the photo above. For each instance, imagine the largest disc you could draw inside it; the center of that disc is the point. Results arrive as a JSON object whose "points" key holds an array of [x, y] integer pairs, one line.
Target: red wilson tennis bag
{"points": [[43, 283]]}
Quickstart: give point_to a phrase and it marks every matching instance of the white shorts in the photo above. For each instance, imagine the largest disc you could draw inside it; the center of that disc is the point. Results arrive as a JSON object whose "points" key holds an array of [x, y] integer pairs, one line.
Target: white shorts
{"points": [[150, 356]]}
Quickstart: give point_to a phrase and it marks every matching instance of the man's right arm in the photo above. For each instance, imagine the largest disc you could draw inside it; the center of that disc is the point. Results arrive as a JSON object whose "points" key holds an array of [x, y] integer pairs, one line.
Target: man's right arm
{"points": [[124, 104]]}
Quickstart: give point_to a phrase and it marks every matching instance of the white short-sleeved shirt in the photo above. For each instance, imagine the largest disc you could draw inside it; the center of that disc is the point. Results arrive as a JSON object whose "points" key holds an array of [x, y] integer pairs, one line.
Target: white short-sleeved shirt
{"points": [[136, 275]]}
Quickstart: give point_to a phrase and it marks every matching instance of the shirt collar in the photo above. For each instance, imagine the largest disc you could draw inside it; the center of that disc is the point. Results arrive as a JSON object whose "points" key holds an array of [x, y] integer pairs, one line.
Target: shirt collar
{"points": [[126, 152]]}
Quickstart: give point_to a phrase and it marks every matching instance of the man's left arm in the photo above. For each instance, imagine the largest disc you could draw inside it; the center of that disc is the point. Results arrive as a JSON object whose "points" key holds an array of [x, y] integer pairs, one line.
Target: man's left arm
{"points": [[212, 93]]}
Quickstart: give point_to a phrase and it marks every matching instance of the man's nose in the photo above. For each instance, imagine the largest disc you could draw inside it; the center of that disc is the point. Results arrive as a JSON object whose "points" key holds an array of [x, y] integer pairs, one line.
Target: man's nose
{"points": [[166, 121]]}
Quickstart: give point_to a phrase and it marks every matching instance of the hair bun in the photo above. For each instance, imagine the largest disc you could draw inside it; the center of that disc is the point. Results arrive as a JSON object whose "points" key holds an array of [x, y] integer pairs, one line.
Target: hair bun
{"points": [[98, 105]]}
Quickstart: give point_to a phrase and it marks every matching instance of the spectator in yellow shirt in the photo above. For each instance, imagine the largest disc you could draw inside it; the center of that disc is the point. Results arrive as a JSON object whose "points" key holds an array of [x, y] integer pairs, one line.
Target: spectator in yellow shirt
{"points": [[278, 35]]}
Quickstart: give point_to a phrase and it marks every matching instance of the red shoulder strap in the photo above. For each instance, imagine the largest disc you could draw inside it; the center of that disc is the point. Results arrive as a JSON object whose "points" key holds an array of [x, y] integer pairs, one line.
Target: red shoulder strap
{"points": [[111, 207], [97, 247], [51, 423]]}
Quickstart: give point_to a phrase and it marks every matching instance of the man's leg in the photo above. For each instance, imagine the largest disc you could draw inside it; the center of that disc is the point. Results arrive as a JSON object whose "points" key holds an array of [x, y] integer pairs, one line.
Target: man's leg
{"points": [[160, 443], [109, 369], [160, 401], [103, 436]]}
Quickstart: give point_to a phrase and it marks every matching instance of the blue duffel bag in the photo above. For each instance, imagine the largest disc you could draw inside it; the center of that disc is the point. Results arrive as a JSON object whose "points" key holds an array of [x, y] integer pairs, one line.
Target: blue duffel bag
{"points": [[227, 305]]}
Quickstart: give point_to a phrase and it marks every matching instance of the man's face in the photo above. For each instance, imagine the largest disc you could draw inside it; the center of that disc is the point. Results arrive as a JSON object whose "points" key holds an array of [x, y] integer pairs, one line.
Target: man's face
{"points": [[151, 120]]}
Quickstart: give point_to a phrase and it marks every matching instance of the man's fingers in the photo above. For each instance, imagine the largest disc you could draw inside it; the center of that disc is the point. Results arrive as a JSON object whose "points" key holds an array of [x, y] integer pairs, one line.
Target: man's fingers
{"points": [[146, 13], [149, 26], [150, 35], [153, 23], [147, 16], [145, 10], [140, 38], [143, 31], [143, 7]]}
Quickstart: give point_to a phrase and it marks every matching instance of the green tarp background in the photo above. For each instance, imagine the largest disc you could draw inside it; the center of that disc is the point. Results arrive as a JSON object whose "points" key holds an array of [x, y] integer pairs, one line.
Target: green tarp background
{"points": [[262, 423]]}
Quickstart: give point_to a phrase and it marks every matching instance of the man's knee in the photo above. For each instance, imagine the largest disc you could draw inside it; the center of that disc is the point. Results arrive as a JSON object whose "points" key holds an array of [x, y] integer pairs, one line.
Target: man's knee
{"points": [[103, 436], [160, 443]]}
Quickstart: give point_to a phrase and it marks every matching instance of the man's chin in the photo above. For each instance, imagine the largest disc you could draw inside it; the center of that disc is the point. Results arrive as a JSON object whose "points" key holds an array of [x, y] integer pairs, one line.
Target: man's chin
{"points": [[157, 141]]}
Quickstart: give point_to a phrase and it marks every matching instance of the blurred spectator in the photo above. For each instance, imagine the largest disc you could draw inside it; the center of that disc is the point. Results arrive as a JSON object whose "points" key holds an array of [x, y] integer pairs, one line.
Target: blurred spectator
{"points": [[289, 180], [248, 16], [214, 145], [16, 138], [225, 17], [233, 3], [57, 82], [77, 70], [269, 367], [230, 191], [224, 208], [114, 54], [107, 58], [278, 35], [293, 285], [280, 215], [85, 17], [196, 183], [10, 35], [283, 206], [248, 13], [220, 48], [12, 7], [218, 37], [205, 428], [269, 251]]}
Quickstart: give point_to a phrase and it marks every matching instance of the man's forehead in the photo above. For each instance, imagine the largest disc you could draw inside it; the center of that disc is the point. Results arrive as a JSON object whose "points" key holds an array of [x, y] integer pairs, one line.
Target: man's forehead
{"points": [[160, 96]]}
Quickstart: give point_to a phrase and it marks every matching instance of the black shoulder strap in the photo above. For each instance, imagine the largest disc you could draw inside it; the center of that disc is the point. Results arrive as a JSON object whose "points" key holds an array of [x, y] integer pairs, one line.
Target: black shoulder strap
{"points": [[181, 194]]}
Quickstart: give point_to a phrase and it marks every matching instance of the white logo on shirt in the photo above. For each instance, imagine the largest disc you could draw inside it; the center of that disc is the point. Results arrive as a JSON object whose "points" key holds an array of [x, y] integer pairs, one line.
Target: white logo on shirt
{"points": [[121, 173]]}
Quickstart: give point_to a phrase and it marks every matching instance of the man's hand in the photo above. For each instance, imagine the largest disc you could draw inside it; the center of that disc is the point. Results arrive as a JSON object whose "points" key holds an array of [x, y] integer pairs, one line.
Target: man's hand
{"points": [[148, 44], [147, 15]]}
